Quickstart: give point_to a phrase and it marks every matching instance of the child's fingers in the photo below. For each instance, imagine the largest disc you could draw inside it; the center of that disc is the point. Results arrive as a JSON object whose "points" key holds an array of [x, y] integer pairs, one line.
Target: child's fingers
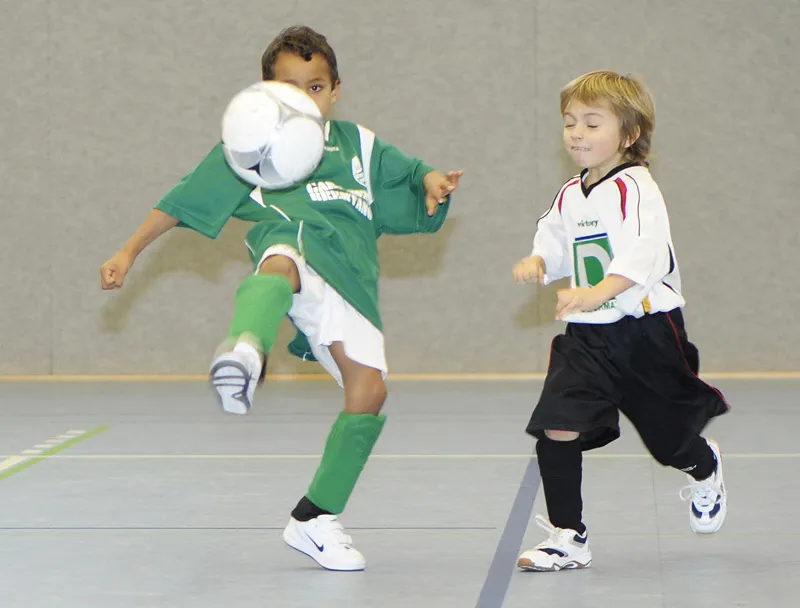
{"points": [[453, 178], [524, 273], [431, 204], [566, 305], [106, 277]]}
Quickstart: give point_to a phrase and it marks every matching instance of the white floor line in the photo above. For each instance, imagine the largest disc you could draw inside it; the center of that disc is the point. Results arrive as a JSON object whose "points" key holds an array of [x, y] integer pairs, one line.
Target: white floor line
{"points": [[754, 456], [26, 454], [11, 461]]}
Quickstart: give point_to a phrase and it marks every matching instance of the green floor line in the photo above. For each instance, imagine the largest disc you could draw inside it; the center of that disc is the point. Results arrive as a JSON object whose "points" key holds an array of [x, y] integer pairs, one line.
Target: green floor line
{"points": [[54, 450]]}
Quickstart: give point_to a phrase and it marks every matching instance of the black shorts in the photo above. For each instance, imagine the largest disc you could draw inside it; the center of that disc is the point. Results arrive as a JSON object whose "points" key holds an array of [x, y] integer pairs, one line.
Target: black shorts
{"points": [[645, 368]]}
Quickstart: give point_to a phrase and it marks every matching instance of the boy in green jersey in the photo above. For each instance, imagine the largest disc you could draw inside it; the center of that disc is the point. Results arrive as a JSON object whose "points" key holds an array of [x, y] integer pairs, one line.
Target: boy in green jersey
{"points": [[314, 249]]}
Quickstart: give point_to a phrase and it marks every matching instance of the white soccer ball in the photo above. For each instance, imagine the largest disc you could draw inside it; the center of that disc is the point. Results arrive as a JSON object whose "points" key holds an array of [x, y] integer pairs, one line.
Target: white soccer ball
{"points": [[273, 135]]}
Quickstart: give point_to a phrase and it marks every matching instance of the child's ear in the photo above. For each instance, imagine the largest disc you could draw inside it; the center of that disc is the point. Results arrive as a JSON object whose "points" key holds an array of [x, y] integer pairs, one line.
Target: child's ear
{"points": [[632, 140], [335, 91]]}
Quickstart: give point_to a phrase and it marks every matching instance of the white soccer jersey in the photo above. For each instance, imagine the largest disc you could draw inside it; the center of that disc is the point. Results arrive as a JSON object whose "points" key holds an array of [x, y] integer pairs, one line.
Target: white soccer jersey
{"points": [[620, 226]]}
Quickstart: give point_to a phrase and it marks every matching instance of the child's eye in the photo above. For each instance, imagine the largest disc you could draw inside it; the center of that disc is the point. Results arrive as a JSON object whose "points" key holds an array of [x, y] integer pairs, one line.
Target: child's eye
{"points": [[592, 126], [316, 88], [569, 126]]}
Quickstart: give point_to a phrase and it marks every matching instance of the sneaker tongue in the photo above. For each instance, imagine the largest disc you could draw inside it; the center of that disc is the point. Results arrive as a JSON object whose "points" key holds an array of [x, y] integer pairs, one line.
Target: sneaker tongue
{"points": [[329, 523], [327, 518], [706, 499]]}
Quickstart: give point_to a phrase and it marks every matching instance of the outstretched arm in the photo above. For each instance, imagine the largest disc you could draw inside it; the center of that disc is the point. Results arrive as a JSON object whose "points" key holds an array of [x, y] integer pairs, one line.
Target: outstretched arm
{"points": [[203, 200], [113, 272], [409, 196]]}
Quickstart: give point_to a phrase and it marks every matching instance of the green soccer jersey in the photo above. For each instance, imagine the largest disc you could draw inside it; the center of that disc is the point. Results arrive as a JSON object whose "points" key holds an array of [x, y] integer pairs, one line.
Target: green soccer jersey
{"points": [[363, 188]]}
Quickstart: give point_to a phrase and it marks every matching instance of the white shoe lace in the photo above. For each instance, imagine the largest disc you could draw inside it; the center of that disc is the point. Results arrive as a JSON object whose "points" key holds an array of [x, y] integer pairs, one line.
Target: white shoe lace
{"points": [[553, 532], [703, 493], [330, 524]]}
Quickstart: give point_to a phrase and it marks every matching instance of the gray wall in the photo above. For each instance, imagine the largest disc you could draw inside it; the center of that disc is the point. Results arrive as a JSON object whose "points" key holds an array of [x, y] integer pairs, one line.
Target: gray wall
{"points": [[106, 104]]}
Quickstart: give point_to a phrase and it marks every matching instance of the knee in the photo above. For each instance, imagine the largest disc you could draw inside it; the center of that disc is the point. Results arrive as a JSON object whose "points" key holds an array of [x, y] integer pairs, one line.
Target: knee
{"points": [[365, 394], [284, 266], [562, 435]]}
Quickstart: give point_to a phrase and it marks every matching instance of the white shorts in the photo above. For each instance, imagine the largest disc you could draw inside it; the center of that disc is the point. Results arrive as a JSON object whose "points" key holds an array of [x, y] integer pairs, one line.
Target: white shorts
{"points": [[325, 317]]}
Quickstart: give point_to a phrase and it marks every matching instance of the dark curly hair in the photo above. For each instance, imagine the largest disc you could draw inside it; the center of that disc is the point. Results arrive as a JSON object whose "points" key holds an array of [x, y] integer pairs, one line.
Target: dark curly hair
{"points": [[302, 40]]}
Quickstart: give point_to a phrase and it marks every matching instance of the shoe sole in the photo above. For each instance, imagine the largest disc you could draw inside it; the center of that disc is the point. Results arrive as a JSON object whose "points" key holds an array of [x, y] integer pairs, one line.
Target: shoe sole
{"points": [[228, 402], [528, 566], [298, 547], [719, 521]]}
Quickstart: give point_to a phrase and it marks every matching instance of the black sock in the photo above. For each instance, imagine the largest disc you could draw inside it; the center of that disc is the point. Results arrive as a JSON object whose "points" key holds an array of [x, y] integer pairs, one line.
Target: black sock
{"points": [[560, 465], [697, 459], [307, 510]]}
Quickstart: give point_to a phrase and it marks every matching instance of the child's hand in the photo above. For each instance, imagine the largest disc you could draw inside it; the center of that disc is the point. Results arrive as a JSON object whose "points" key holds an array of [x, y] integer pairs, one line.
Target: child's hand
{"points": [[438, 186], [112, 273], [579, 299], [530, 270]]}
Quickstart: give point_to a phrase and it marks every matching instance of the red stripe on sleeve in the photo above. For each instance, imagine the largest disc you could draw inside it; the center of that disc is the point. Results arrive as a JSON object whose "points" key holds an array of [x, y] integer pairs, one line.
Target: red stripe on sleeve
{"points": [[561, 198], [623, 195]]}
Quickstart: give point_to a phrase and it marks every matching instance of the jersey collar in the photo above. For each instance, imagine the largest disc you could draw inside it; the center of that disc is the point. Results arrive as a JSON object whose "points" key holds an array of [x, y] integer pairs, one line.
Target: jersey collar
{"points": [[609, 175]]}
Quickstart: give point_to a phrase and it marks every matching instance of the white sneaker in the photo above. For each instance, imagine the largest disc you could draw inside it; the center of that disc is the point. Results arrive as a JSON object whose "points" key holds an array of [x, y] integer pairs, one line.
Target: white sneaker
{"points": [[323, 539], [564, 550], [709, 499], [235, 375]]}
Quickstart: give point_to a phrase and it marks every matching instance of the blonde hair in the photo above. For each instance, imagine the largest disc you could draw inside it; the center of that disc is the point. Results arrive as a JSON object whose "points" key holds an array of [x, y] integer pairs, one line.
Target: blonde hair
{"points": [[629, 100]]}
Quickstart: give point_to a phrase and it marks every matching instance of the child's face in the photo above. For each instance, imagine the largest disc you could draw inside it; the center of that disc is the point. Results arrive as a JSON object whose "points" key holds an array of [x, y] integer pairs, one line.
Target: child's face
{"points": [[313, 77], [592, 137]]}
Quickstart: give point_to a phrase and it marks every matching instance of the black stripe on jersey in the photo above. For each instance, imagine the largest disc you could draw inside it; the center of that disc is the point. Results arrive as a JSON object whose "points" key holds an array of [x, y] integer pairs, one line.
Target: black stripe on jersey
{"points": [[555, 200], [608, 175], [671, 263], [546, 213], [638, 201]]}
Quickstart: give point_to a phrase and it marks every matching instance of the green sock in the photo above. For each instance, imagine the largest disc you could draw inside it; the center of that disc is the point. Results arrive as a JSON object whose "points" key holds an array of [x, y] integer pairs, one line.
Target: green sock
{"points": [[262, 301], [349, 445]]}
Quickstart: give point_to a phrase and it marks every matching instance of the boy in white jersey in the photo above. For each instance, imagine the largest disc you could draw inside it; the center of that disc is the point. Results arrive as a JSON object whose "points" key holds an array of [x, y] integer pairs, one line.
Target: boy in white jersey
{"points": [[314, 250], [625, 348]]}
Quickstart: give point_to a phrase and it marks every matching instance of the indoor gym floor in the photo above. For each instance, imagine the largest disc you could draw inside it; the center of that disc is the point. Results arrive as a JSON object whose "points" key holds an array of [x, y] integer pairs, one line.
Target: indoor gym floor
{"points": [[143, 494]]}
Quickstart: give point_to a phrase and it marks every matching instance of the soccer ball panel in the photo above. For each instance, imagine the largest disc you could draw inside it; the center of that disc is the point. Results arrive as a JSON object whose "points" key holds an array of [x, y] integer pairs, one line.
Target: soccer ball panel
{"points": [[291, 96], [250, 120], [294, 161], [273, 135]]}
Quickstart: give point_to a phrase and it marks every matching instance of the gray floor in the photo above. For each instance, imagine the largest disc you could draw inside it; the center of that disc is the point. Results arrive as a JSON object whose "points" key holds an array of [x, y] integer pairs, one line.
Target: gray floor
{"points": [[177, 505]]}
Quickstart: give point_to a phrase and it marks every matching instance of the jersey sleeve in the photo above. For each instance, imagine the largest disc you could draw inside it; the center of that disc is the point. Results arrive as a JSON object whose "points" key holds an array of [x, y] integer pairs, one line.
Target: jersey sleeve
{"points": [[205, 199], [643, 254], [396, 186], [550, 242]]}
